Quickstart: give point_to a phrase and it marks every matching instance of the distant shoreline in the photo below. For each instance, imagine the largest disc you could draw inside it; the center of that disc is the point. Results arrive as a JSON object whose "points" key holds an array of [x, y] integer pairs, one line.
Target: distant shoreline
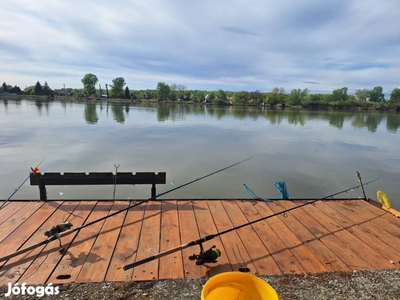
{"points": [[360, 106]]}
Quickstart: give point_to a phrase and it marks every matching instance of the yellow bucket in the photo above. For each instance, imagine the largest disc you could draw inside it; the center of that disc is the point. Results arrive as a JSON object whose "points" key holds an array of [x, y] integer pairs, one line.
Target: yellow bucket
{"points": [[238, 286]]}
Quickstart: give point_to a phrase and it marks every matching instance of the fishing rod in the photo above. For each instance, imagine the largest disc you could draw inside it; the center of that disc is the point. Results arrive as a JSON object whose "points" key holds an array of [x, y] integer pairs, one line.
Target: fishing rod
{"points": [[60, 230], [34, 170], [210, 255]]}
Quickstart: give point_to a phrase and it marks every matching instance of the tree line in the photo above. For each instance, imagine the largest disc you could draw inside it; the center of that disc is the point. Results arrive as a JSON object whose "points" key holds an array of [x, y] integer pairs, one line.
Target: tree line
{"points": [[177, 92]]}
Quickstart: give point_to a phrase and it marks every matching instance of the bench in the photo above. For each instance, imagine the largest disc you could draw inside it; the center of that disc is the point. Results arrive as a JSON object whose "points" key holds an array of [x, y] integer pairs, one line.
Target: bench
{"points": [[96, 178]]}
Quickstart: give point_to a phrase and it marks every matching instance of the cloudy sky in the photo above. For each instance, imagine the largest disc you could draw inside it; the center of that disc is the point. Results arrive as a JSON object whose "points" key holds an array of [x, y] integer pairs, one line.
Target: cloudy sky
{"points": [[232, 45]]}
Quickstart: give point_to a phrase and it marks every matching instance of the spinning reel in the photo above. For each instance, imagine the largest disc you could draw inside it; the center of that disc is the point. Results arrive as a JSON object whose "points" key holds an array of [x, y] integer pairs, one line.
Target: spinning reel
{"points": [[55, 232], [208, 256]]}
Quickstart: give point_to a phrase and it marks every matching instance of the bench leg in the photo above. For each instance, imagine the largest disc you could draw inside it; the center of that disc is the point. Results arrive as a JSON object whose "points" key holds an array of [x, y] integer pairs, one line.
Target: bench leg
{"points": [[42, 192], [153, 191]]}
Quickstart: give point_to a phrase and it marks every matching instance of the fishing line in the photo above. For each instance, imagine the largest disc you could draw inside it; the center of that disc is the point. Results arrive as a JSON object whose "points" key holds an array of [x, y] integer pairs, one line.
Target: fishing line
{"points": [[207, 255], [65, 233]]}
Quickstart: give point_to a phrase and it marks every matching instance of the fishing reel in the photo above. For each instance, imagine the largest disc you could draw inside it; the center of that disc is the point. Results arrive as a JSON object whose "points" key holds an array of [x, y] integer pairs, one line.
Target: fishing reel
{"points": [[55, 232], [208, 256]]}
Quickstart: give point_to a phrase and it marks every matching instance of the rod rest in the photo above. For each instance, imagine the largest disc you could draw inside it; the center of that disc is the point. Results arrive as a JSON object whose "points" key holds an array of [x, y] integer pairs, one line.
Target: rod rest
{"points": [[96, 178]]}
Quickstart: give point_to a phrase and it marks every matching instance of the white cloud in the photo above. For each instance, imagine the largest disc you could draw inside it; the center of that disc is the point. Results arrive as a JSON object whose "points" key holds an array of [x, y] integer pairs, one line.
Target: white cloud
{"points": [[232, 45]]}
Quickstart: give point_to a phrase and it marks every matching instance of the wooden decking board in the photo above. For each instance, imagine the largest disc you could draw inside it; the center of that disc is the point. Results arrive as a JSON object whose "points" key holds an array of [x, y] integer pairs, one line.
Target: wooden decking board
{"points": [[171, 266], [126, 249], [78, 251], [297, 247], [381, 217], [189, 232], [77, 218], [17, 218], [340, 235], [238, 256], [363, 255], [367, 246], [96, 265], [17, 267], [258, 255], [97, 259], [42, 267], [265, 260], [8, 210], [206, 226], [282, 253], [149, 243], [302, 227], [21, 237]]}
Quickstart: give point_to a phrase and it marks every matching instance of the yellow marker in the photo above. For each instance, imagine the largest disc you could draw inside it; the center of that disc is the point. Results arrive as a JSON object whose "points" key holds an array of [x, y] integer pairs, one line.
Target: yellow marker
{"points": [[383, 199]]}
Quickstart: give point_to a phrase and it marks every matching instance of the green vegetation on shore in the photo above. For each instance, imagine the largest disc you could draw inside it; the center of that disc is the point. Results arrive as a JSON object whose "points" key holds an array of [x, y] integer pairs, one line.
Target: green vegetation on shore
{"points": [[277, 97]]}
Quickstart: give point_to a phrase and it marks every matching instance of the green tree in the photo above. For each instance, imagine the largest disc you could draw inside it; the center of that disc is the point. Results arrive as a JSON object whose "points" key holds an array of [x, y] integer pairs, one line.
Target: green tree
{"points": [[256, 97], [46, 89], [240, 98], [163, 90], [294, 98], [395, 95], [16, 90], [340, 94], [362, 94], [117, 88], [38, 89], [173, 92], [4, 87], [272, 98], [377, 95], [220, 97], [181, 90], [89, 84], [127, 93]]}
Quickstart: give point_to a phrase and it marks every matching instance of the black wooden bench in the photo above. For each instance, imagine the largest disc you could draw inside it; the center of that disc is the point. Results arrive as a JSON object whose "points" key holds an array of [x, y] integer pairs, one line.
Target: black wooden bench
{"points": [[42, 180]]}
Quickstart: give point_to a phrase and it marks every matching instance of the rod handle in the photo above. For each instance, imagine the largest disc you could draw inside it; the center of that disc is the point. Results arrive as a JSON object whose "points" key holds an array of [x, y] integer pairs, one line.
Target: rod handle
{"points": [[139, 262]]}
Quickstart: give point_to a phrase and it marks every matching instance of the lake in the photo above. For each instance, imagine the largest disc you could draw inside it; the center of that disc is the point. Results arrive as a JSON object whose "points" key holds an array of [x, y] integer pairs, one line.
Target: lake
{"points": [[317, 153]]}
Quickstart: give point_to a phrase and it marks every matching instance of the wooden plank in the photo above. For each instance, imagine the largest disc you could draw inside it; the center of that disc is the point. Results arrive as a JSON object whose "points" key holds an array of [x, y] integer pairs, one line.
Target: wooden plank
{"points": [[9, 210], [127, 244], [206, 226], [303, 225], [378, 211], [44, 264], [275, 249], [306, 258], [386, 220], [235, 250], [171, 266], [18, 217], [259, 255], [331, 238], [97, 262], [16, 266], [70, 266], [284, 259], [350, 249], [189, 232], [283, 255], [383, 253], [20, 238], [149, 243]]}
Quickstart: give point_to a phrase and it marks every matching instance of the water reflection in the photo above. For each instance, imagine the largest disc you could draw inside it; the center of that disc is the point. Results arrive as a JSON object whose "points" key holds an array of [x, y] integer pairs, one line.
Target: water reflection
{"points": [[370, 120]]}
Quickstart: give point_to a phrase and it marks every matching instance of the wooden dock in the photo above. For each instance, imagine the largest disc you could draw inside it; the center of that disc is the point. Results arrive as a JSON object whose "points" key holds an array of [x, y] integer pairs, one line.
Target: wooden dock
{"points": [[341, 235]]}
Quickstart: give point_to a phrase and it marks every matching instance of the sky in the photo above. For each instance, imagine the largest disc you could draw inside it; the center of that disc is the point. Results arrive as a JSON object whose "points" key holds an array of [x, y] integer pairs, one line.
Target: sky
{"points": [[207, 45]]}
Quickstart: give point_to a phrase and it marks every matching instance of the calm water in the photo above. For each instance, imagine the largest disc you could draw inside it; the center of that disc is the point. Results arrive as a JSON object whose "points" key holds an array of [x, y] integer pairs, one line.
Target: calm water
{"points": [[317, 153]]}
